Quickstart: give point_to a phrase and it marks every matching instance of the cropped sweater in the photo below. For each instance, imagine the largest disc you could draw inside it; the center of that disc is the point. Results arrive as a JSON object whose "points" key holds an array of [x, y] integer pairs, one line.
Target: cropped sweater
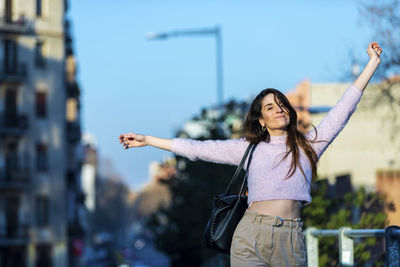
{"points": [[267, 174]]}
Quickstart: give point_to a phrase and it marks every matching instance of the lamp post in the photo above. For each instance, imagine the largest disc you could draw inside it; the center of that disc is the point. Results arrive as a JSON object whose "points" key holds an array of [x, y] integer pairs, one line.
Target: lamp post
{"points": [[216, 32]]}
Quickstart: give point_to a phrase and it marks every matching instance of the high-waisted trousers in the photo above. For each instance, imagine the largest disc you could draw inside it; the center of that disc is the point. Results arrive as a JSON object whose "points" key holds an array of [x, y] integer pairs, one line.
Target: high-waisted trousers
{"points": [[264, 240]]}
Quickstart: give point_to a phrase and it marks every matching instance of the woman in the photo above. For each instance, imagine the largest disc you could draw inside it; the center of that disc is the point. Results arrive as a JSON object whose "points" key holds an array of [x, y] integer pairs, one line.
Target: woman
{"points": [[280, 173]]}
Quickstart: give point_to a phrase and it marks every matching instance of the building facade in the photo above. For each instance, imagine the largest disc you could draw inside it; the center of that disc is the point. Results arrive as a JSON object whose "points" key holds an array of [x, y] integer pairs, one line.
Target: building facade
{"points": [[365, 146], [40, 157]]}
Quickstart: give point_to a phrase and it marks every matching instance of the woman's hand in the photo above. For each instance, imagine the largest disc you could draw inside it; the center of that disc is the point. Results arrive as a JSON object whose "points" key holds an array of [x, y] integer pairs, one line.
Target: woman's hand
{"points": [[132, 140], [374, 51]]}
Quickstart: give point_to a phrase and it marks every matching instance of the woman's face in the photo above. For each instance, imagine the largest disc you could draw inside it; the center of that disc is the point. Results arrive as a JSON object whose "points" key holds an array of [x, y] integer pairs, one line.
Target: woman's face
{"points": [[274, 117]]}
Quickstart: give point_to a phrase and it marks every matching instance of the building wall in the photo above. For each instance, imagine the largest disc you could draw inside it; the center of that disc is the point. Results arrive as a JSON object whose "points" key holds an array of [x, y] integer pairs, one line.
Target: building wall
{"points": [[48, 29], [365, 147]]}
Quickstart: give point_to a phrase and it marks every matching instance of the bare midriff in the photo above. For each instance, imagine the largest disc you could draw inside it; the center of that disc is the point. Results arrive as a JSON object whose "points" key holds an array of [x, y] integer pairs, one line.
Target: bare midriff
{"points": [[284, 208]]}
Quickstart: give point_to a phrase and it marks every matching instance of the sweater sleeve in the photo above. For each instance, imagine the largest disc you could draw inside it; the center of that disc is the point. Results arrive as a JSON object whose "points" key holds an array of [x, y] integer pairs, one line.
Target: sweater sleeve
{"points": [[335, 120], [219, 151]]}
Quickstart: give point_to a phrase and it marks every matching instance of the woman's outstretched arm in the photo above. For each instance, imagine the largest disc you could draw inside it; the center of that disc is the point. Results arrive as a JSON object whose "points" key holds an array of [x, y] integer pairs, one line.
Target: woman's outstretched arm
{"points": [[219, 151], [374, 51], [138, 140]]}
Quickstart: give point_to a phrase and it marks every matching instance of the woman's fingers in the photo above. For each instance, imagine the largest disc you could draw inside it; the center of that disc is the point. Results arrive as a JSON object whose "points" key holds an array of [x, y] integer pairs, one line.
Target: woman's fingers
{"points": [[378, 50], [374, 48], [127, 136], [126, 145], [131, 140]]}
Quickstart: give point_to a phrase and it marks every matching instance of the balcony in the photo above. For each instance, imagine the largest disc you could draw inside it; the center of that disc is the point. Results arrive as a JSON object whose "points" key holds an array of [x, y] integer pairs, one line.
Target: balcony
{"points": [[73, 132], [11, 235], [18, 26], [14, 125], [18, 179], [13, 74]]}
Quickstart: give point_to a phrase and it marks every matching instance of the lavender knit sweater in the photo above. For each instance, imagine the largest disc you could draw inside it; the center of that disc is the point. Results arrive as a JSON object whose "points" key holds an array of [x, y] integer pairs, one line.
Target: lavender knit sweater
{"points": [[266, 178]]}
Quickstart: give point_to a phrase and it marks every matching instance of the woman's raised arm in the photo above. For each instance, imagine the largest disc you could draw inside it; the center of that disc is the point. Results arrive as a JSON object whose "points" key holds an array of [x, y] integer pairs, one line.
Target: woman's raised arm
{"points": [[374, 51], [339, 115]]}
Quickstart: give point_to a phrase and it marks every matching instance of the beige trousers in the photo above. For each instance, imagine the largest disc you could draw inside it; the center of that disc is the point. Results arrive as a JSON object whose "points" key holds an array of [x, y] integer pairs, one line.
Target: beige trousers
{"points": [[264, 240]]}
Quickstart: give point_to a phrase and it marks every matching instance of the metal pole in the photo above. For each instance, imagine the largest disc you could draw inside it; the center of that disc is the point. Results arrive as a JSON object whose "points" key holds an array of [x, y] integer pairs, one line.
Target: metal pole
{"points": [[312, 247], [346, 248], [392, 246], [365, 233], [218, 49], [327, 232], [218, 46]]}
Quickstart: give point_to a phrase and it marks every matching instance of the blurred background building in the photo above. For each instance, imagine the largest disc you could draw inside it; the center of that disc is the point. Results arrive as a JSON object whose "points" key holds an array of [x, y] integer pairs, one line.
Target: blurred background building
{"points": [[366, 152], [40, 130]]}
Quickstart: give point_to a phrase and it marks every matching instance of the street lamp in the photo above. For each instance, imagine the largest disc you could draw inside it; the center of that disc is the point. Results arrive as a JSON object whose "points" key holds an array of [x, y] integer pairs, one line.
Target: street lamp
{"points": [[216, 32]]}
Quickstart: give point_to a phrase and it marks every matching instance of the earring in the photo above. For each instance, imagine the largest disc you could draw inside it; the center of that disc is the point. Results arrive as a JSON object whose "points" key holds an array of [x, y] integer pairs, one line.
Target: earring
{"points": [[263, 128]]}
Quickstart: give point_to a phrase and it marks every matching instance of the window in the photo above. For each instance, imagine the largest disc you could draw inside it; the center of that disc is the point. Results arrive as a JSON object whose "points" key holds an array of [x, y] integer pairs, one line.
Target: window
{"points": [[10, 111], [41, 107], [42, 211], [39, 54], [8, 10], [41, 157], [11, 156], [12, 218], [39, 8], [343, 184], [10, 53]]}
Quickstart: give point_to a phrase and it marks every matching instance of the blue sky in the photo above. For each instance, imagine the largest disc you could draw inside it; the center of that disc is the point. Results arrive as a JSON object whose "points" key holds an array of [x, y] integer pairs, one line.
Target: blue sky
{"points": [[130, 84]]}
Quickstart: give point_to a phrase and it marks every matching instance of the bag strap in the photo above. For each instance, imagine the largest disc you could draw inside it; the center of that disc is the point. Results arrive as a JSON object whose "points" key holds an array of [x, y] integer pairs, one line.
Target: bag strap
{"points": [[247, 169], [251, 147]]}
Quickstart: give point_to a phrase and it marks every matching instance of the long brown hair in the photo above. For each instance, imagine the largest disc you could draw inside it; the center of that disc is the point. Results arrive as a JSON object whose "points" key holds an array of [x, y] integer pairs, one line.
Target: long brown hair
{"points": [[253, 132]]}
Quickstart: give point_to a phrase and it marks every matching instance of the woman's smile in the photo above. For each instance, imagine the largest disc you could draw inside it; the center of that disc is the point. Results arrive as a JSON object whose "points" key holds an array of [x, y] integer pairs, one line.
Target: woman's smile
{"points": [[280, 117]]}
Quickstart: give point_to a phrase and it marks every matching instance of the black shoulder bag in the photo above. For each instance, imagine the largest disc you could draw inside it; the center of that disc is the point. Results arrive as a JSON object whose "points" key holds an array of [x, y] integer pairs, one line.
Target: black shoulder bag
{"points": [[227, 211]]}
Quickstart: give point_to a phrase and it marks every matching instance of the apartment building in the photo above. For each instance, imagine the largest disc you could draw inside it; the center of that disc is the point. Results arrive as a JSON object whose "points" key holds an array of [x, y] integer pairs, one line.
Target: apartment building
{"points": [[40, 153]]}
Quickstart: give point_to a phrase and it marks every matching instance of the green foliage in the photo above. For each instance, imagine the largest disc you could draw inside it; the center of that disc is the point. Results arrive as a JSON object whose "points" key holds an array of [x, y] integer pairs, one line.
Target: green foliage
{"points": [[358, 210]]}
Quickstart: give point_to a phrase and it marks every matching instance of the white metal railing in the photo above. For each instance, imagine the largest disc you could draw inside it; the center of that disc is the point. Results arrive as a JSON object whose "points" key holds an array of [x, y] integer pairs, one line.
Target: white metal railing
{"points": [[346, 237]]}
